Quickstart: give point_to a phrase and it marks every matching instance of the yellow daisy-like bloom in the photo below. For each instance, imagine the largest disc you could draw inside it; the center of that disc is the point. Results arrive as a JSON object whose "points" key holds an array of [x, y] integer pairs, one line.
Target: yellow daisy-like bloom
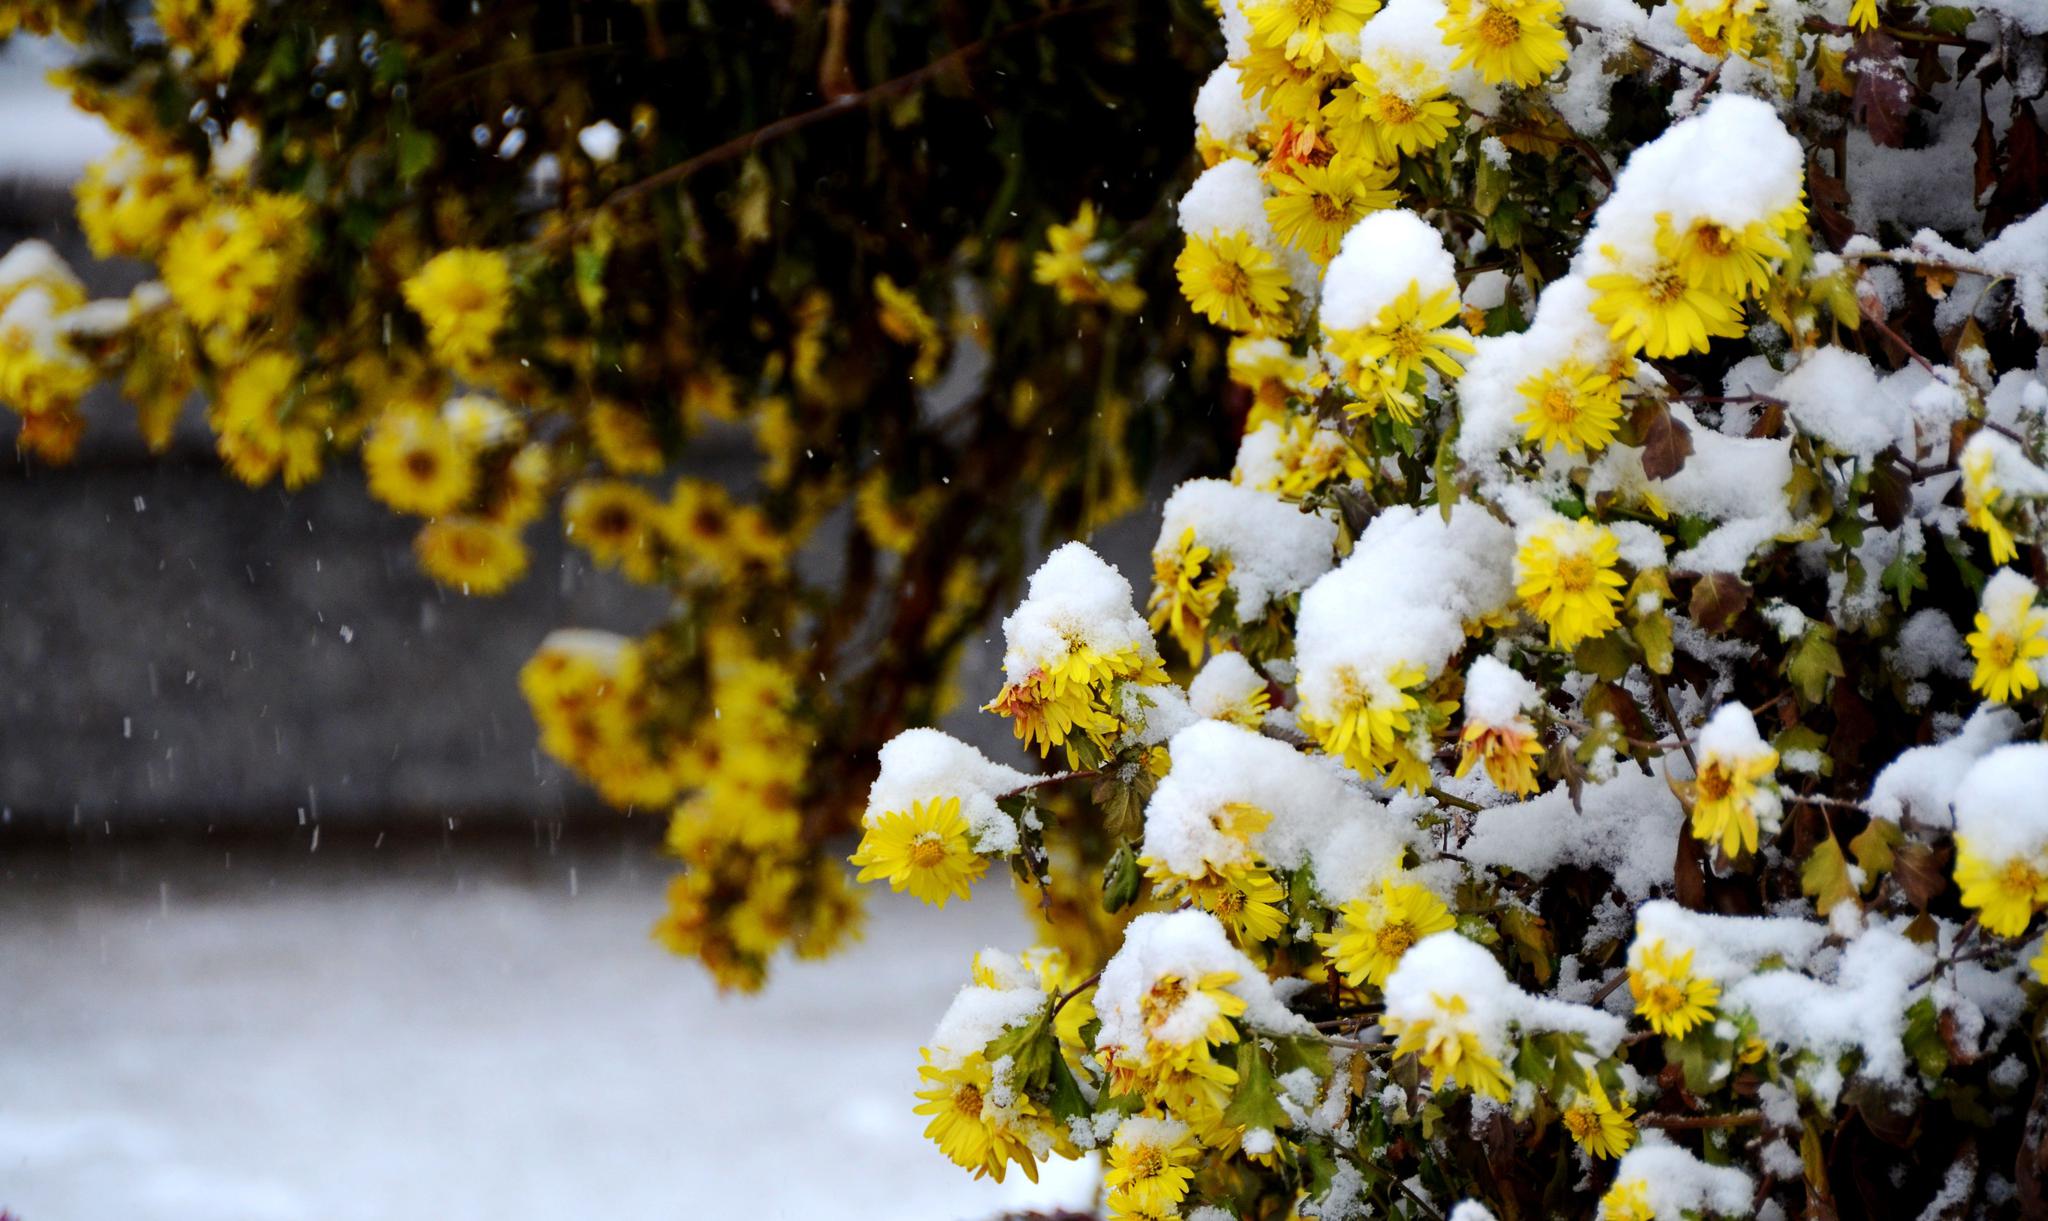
{"points": [[1720, 27], [925, 850], [1368, 721], [415, 464], [1571, 406], [1070, 263], [2010, 637], [1520, 41], [1397, 104], [1150, 1164], [1660, 312], [1730, 263], [219, 270], [1448, 1050], [2005, 893], [1566, 575], [1409, 334], [966, 1124], [1169, 993], [1232, 282], [616, 523], [1183, 598], [625, 439], [1245, 899], [470, 554], [1666, 991], [1373, 933], [1509, 753], [1726, 796], [1601, 1128], [463, 296], [1312, 205], [1981, 496], [902, 319], [1628, 1200], [1297, 28], [1070, 696], [261, 424]]}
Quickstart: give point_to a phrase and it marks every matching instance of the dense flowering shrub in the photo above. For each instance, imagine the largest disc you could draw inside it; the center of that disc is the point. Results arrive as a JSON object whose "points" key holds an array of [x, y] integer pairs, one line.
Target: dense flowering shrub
{"points": [[791, 309], [1607, 774]]}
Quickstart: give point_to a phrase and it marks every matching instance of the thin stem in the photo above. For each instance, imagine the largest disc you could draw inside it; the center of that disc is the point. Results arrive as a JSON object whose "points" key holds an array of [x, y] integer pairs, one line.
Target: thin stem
{"points": [[1606, 990], [1071, 993], [1689, 1123], [743, 144], [1883, 328], [1458, 802], [1670, 712], [1089, 773]]}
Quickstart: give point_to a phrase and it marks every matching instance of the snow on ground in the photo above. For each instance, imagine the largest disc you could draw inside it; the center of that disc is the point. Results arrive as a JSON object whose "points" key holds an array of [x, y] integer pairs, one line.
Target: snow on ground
{"points": [[496, 1040], [44, 138]]}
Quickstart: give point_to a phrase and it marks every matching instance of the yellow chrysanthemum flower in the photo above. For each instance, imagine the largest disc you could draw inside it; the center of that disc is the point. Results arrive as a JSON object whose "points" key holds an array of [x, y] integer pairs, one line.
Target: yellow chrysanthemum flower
{"points": [[463, 296], [1442, 1044], [1297, 28], [967, 1125], [1726, 797], [1312, 205], [1667, 992], [1729, 263], [1981, 497], [1565, 574], [1170, 993], [904, 320], [1367, 720], [1232, 282], [925, 850], [1245, 899], [415, 465], [220, 271], [1373, 933], [1627, 1200], [1571, 406], [1659, 311], [1071, 264], [2005, 893], [1070, 696], [1509, 753], [1409, 334], [1187, 583], [1399, 105], [1518, 41], [2011, 635], [1720, 27], [1596, 1124], [1149, 1167], [470, 554], [616, 523], [262, 425]]}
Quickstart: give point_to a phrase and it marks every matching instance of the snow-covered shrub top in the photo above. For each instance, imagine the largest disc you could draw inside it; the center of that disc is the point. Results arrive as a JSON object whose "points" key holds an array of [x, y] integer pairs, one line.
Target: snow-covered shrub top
{"points": [[1619, 784]]}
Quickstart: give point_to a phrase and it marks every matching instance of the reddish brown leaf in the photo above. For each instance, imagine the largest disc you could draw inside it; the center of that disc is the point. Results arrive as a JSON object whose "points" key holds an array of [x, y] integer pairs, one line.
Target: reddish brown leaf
{"points": [[1717, 599], [1667, 442], [1884, 95], [2023, 180], [1921, 872]]}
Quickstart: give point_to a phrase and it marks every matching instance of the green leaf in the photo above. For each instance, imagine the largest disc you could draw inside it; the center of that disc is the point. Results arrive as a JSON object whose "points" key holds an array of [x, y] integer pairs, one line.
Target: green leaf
{"points": [[1813, 661], [1949, 19], [417, 151], [1923, 1039], [1254, 1104], [1066, 1100], [1653, 635], [1804, 740], [1873, 848], [1824, 875], [1902, 576], [1120, 880], [1529, 933], [1031, 1048], [1604, 656]]}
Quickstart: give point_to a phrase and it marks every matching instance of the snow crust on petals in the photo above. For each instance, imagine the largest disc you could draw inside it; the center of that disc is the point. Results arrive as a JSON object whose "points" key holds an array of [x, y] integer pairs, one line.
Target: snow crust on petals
{"points": [[1379, 258], [1229, 197], [1446, 965], [2001, 805], [925, 765], [1189, 944], [1681, 1184], [1074, 599], [1274, 548], [1317, 816]]}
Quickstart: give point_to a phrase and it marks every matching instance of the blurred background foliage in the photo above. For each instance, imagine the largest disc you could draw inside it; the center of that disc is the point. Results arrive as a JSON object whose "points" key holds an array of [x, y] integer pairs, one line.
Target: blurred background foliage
{"points": [[548, 265]]}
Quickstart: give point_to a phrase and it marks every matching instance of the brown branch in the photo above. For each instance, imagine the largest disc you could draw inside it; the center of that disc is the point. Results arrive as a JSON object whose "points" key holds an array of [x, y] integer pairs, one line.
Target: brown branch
{"points": [[1607, 989], [1670, 711], [1071, 993], [1691, 1123], [1883, 328], [741, 145], [1056, 778]]}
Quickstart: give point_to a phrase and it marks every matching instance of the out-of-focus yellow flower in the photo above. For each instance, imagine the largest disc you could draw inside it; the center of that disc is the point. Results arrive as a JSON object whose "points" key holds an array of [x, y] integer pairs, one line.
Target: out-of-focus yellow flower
{"points": [[415, 464], [463, 296], [470, 554]]}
